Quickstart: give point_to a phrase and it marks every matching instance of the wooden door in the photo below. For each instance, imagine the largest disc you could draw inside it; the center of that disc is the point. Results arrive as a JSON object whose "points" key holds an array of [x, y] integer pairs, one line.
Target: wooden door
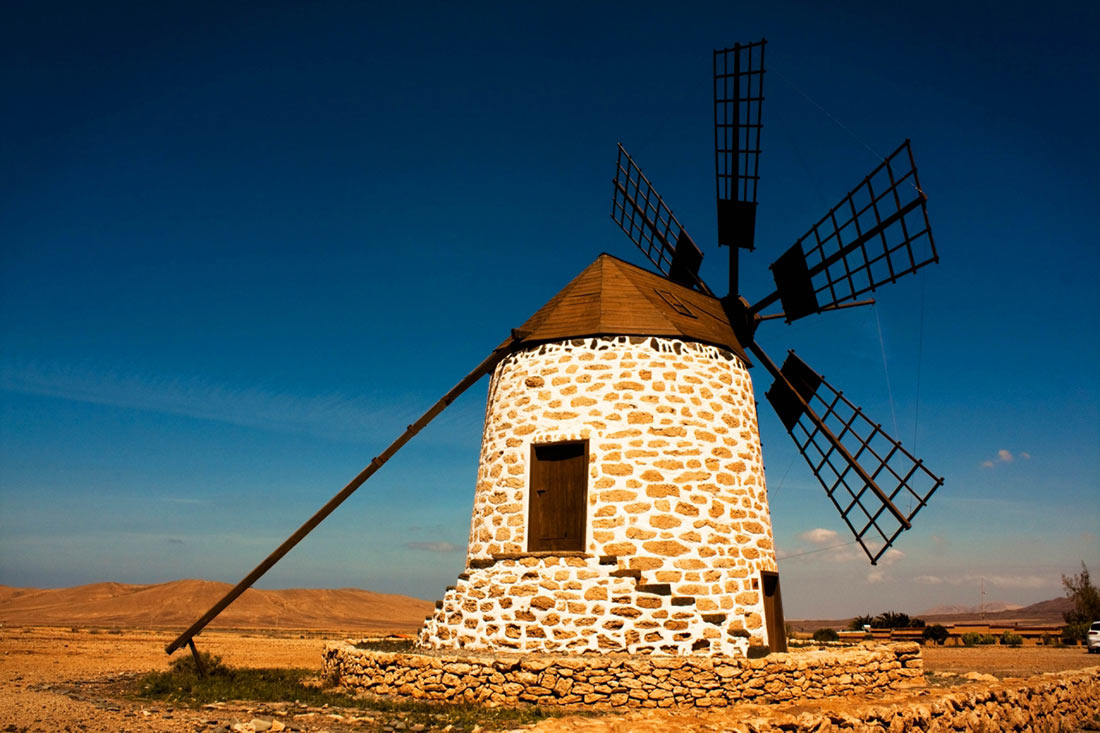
{"points": [[558, 497], [773, 612]]}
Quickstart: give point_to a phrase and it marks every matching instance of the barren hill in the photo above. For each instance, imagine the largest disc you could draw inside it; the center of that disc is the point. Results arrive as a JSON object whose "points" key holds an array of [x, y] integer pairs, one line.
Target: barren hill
{"points": [[987, 607], [177, 604], [1042, 613]]}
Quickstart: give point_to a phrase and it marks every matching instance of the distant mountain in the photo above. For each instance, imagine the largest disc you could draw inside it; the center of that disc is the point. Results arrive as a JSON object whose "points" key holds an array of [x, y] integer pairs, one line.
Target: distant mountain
{"points": [[1042, 613], [179, 603], [987, 607]]}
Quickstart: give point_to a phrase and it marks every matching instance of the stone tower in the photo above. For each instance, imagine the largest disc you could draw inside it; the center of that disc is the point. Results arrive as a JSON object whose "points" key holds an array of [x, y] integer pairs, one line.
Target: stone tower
{"points": [[620, 502]]}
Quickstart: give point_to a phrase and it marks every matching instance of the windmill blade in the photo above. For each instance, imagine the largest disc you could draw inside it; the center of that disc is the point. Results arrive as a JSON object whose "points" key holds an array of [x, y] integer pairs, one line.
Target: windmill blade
{"points": [[875, 484], [878, 233], [638, 209], [738, 100], [485, 367]]}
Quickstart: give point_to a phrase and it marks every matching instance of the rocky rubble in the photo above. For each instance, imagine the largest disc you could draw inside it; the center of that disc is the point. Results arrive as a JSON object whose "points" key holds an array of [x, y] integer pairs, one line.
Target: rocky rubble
{"points": [[619, 680], [1060, 701]]}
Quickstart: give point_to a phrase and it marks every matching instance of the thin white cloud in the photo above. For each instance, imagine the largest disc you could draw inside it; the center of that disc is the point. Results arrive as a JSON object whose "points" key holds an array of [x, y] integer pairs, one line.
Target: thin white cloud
{"points": [[846, 554], [1005, 456], [332, 415], [992, 580], [891, 556], [434, 546], [1020, 581], [877, 576], [820, 536]]}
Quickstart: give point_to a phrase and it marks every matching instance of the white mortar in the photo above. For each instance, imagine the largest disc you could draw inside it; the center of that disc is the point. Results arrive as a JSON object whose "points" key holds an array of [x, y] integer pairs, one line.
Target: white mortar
{"points": [[675, 491]]}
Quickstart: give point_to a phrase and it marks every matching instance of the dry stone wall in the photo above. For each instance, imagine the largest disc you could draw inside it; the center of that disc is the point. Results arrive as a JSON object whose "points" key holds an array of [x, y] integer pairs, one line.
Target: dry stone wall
{"points": [[1058, 701], [619, 680], [677, 525]]}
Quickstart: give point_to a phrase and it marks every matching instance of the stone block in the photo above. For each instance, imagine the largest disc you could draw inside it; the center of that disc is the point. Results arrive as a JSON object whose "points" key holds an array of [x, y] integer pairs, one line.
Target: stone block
{"points": [[666, 548]]}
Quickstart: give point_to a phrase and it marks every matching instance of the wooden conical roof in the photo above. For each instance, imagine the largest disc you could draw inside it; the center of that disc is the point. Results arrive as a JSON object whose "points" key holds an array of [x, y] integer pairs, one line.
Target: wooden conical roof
{"points": [[611, 297]]}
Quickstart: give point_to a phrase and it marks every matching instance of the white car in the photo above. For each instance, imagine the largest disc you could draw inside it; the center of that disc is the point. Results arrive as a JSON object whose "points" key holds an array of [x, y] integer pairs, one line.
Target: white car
{"points": [[1093, 638]]}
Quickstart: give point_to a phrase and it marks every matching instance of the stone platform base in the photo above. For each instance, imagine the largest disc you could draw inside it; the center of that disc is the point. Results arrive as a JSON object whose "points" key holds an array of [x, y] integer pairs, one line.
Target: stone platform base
{"points": [[622, 680]]}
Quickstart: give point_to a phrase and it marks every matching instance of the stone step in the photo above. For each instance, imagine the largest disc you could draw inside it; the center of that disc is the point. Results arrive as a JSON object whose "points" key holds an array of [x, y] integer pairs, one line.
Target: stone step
{"points": [[714, 618], [609, 560], [450, 588], [657, 589], [683, 601], [438, 605], [626, 573], [463, 576], [479, 563]]}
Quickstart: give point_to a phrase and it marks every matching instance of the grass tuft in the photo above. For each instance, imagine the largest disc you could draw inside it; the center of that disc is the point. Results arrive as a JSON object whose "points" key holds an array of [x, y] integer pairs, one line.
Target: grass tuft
{"points": [[388, 645], [182, 685]]}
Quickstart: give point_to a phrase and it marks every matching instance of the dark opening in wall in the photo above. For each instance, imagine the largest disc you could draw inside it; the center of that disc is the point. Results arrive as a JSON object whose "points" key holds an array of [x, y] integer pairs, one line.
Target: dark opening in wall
{"points": [[558, 496]]}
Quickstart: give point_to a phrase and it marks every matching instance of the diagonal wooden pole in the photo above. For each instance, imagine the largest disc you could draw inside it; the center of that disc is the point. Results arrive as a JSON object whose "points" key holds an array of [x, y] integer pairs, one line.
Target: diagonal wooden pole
{"points": [[485, 367]]}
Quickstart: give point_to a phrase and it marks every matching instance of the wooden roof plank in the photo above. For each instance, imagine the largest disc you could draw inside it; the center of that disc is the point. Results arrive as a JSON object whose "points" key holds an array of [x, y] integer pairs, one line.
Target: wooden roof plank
{"points": [[611, 297]]}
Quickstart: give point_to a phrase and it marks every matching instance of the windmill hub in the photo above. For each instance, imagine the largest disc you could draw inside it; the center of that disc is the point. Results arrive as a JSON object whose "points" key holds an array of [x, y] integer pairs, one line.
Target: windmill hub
{"points": [[741, 318]]}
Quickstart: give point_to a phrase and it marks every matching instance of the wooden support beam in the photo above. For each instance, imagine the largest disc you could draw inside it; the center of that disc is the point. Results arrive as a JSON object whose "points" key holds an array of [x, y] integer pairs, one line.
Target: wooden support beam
{"points": [[198, 660]]}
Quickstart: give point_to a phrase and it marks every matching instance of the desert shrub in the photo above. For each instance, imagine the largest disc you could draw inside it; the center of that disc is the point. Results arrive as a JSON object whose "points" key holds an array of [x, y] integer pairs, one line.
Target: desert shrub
{"points": [[936, 633], [971, 638], [1074, 632], [987, 639], [1010, 639], [859, 622], [826, 635], [184, 664], [1085, 597]]}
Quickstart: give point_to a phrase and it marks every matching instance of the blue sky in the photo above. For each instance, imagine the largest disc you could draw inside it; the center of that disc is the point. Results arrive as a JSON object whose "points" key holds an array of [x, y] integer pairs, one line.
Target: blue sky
{"points": [[242, 248]]}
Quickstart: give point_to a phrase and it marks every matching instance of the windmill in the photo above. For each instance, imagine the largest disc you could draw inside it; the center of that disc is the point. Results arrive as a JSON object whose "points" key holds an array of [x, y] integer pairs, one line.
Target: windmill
{"points": [[876, 234], [620, 502]]}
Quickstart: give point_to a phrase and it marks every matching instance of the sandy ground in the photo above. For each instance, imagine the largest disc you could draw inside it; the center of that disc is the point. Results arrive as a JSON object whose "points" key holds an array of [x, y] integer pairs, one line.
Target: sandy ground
{"points": [[1006, 662], [58, 679]]}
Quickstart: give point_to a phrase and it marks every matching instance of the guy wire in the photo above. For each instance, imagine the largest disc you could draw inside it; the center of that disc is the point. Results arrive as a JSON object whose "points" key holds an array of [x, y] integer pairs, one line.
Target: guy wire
{"points": [[886, 369], [813, 552], [920, 355], [828, 114]]}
